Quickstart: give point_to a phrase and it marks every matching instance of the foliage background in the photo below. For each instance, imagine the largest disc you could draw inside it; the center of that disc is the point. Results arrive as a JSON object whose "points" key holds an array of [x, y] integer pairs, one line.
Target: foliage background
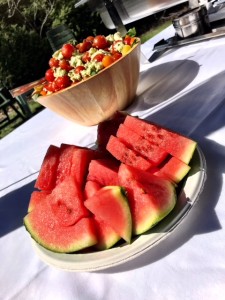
{"points": [[24, 48]]}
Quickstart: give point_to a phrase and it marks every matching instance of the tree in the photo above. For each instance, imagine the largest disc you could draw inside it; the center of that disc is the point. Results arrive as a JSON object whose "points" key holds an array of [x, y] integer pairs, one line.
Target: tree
{"points": [[24, 48], [40, 15]]}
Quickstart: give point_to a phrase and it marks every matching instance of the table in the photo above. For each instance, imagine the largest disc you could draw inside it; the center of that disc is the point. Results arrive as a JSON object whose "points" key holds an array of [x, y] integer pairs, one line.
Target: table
{"points": [[183, 90]]}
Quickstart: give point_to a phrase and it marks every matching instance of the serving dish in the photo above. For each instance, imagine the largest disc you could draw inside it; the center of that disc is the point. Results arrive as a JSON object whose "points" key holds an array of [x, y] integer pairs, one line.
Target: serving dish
{"points": [[189, 194], [96, 98]]}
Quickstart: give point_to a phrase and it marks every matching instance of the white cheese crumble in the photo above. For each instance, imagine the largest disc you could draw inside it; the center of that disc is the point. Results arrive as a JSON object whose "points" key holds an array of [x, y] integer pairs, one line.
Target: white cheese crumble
{"points": [[74, 76], [92, 67], [58, 72], [76, 61], [58, 55]]}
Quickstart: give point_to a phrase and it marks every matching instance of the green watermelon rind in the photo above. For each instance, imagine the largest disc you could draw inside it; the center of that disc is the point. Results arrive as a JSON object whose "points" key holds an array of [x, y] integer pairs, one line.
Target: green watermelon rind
{"points": [[109, 241], [156, 218], [139, 183], [122, 191], [144, 128], [120, 195], [73, 247], [176, 175], [189, 152]]}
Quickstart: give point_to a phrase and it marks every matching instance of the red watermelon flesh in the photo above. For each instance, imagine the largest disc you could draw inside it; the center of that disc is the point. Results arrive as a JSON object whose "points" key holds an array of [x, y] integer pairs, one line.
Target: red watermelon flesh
{"points": [[151, 198], [80, 164], [110, 205], [141, 145], [36, 198], [107, 128], [91, 187], [174, 170], [45, 230], [74, 161], [106, 235], [103, 171], [174, 143], [65, 162], [46, 179], [126, 155], [66, 201]]}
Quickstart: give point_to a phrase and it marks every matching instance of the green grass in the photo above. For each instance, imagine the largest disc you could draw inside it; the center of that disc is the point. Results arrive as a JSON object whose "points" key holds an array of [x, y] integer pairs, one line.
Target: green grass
{"points": [[34, 107], [154, 31]]}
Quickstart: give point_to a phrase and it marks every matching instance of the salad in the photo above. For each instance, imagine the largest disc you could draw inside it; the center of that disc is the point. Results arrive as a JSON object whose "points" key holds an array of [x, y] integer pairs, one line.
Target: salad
{"points": [[75, 62]]}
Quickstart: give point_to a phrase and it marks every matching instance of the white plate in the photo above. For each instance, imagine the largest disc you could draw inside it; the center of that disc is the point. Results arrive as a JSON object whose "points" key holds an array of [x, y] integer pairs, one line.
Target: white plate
{"points": [[188, 196]]}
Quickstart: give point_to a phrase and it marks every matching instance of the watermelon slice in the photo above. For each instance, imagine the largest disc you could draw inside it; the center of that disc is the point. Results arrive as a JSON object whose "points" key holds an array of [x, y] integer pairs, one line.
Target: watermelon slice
{"points": [[141, 145], [107, 128], [65, 161], [175, 144], [91, 187], [36, 198], [66, 201], [74, 161], [151, 198], [103, 171], [106, 235], [47, 175], [45, 230], [126, 155], [80, 164], [110, 205], [174, 169]]}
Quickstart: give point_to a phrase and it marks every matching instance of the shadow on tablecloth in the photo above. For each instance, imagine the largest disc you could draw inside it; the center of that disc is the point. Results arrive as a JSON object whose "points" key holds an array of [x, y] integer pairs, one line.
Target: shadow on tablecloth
{"points": [[201, 220], [199, 113], [13, 208], [161, 82]]}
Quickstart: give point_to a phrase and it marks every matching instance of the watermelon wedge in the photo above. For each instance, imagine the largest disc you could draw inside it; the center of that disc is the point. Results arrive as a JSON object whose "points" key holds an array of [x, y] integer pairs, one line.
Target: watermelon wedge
{"points": [[126, 155], [46, 179], [174, 170], [141, 145], [175, 144], [110, 205], [65, 161], [66, 202], [80, 164], [74, 161], [91, 187], [150, 198], [103, 171], [107, 128], [106, 235], [36, 198], [46, 231]]}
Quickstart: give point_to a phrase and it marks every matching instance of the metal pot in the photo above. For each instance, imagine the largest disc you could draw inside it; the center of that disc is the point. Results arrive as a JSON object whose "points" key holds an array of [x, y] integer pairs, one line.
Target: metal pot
{"points": [[193, 22]]}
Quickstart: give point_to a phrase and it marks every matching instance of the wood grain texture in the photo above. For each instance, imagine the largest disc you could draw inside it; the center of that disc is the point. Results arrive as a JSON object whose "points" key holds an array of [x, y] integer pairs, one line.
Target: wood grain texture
{"points": [[97, 98]]}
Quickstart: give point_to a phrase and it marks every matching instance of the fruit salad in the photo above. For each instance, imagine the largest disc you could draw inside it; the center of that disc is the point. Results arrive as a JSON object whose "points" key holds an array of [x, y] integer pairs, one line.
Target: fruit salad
{"points": [[75, 62]]}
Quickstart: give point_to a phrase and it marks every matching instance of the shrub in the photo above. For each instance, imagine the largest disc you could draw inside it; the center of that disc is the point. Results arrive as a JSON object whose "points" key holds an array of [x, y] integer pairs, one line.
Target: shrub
{"points": [[23, 56]]}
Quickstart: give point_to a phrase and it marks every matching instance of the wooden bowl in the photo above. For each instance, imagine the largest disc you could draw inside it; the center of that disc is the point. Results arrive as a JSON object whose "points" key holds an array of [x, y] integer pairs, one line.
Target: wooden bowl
{"points": [[96, 99]]}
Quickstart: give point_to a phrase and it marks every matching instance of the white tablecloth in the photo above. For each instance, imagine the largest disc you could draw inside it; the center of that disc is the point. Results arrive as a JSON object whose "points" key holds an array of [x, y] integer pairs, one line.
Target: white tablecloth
{"points": [[185, 90]]}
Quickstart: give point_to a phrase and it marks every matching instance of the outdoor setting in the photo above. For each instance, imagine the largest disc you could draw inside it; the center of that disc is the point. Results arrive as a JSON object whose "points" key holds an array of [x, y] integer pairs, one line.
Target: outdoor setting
{"points": [[25, 49], [112, 150]]}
